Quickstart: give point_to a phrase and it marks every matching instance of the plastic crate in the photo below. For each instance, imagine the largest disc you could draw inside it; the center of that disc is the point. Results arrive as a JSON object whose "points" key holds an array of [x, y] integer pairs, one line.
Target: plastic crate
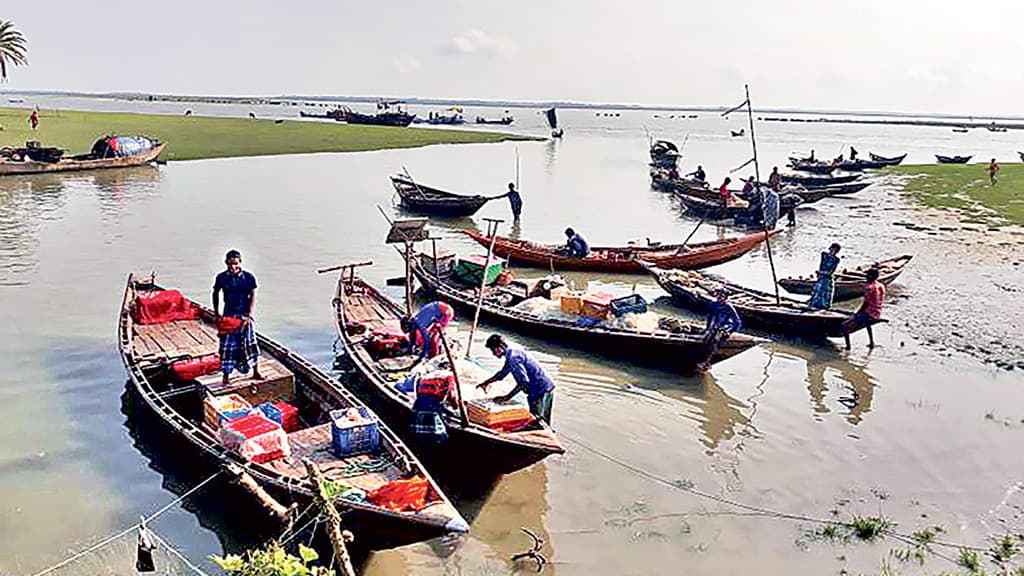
{"points": [[350, 439], [632, 304]]}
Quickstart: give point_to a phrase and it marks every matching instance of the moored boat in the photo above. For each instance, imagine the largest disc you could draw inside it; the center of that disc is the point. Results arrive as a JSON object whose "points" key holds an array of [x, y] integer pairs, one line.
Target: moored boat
{"points": [[504, 120], [165, 339], [623, 259], [360, 310], [664, 154], [887, 161], [426, 200], [696, 291], [813, 167], [952, 159], [817, 181], [849, 283], [107, 152], [664, 342]]}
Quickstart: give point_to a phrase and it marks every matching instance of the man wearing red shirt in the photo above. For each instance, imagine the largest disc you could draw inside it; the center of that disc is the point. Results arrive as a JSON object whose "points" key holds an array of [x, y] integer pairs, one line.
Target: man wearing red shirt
{"points": [[723, 192], [870, 310]]}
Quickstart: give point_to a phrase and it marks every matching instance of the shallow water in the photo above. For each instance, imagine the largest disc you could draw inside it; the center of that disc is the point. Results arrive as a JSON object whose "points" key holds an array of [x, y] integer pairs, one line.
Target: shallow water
{"points": [[787, 426]]}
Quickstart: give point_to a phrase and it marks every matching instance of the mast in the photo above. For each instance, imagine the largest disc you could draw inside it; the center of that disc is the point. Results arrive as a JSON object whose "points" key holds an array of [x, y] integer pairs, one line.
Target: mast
{"points": [[760, 192]]}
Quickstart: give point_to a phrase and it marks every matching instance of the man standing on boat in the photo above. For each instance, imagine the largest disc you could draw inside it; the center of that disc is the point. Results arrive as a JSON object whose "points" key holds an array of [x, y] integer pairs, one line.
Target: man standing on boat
{"points": [[824, 287], [775, 179], [238, 350], [722, 321], [515, 200], [870, 310], [426, 326], [530, 377]]}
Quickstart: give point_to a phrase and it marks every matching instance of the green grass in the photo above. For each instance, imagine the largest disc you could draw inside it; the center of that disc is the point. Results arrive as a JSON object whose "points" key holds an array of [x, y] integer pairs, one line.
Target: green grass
{"points": [[194, 137], [965, 188]]}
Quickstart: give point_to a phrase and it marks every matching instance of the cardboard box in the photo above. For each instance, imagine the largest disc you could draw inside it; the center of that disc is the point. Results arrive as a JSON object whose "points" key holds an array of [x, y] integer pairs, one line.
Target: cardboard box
{"points": [[597, 305], [572, 303]]}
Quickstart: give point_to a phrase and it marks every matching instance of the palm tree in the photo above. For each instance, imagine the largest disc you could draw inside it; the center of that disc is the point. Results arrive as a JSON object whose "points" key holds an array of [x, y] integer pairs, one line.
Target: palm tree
{"points": [[12, 48]]}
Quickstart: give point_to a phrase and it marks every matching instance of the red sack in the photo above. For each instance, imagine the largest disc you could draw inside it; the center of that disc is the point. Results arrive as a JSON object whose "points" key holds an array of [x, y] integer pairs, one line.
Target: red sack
{"points": [[160, 306], [228, 324], [195, 367], [409, 495]]}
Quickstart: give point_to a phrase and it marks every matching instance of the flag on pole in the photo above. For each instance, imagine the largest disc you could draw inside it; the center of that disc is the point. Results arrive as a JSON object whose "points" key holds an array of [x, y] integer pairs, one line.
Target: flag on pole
{"points": [[741, 166], [735, 108]]}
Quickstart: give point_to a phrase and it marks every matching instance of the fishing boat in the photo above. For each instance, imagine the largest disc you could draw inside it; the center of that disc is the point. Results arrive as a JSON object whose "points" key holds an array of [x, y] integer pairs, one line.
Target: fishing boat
{"points": [[664, 154], [621, 260], [993, 127], [670, 343], [552, 117], [450, 117], [849, 284], [505, 119], [738, 133], [159, 330], [107, 152], [813, 167], [337, 114], [952, 159], [860, 165], [704, 205], [1021, 154], [389, 113], [818, 181], [812, 195], [416, 197], [360, 310], [696, 291], [960, 129], [887, 161]]}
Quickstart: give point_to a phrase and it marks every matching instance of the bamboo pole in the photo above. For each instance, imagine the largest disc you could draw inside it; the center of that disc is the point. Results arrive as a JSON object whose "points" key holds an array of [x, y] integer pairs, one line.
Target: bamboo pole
{"points": [[338, 537], [757, 179], [250, 485], [492, 231], [455, 375]]}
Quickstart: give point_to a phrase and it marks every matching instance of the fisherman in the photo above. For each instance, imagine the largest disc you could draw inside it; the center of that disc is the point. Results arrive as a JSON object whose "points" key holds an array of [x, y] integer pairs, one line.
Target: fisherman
{"points": [[514, 200], [33, 120], [853, 154], [993, 172], [824, 288], [238, 349], [426, 327], [722, 321], [748, 187], [530, 377], [775, 179], [870, 310], [575, 245], [698, 174], [432, 392], [723, 192]]}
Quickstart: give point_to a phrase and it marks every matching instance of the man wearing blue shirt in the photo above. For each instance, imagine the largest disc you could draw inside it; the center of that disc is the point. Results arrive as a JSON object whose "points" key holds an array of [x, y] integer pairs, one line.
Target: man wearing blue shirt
{"points": [[530, 377], [575, 244], [238, 350], [722, 321], [428, 323]]}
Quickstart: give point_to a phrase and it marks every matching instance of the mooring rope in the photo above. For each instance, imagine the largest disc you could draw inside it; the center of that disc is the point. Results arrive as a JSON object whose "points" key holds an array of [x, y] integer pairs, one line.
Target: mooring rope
{"points": [[175, 552]]}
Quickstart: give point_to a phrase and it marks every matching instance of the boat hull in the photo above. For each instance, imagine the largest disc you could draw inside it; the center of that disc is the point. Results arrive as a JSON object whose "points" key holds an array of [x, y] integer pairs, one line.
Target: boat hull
{"points": [[72, 165], [848, 288]]}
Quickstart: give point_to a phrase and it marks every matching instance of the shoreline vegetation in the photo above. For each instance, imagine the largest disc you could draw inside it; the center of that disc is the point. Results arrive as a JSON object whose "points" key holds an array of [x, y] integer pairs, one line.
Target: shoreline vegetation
{"points": [[965, 189], [201, 137]]}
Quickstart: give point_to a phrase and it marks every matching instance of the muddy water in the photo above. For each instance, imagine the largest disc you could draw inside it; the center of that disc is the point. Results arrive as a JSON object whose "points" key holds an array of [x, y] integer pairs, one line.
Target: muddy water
{"points": [[921, 426]]}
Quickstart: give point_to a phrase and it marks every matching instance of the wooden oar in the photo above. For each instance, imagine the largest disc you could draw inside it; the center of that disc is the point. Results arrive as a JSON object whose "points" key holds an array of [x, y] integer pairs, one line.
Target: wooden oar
{"points": [[345, 266]]}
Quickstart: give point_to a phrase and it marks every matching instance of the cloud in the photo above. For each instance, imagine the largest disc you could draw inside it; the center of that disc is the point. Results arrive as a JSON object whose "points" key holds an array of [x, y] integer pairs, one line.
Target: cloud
{"points": [[406, 64], [478, 43]]}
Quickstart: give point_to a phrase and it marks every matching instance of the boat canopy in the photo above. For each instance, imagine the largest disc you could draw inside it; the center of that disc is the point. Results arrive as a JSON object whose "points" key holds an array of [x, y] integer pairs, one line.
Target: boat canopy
{"points": [[118, 146]]}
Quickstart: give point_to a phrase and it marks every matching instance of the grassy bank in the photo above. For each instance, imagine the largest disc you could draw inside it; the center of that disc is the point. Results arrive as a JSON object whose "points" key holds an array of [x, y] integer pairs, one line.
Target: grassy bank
{"points": [[965, 188], [193, 137]]}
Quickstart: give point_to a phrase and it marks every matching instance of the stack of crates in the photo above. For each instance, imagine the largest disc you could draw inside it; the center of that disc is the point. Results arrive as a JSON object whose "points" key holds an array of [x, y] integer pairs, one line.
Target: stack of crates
{"points": [[470, 269]]}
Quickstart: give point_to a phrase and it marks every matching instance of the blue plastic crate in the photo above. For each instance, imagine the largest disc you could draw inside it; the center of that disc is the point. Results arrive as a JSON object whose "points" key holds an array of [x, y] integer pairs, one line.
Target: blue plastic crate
{"points": [[632, 304], [351, 439]]}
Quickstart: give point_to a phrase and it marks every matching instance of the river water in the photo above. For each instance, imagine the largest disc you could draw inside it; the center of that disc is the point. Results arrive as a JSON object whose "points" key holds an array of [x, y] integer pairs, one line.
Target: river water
{"points": [[924, 427]]}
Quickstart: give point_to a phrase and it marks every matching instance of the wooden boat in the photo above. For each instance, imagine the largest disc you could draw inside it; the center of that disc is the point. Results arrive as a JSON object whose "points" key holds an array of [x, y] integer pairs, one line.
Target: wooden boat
{"points": [[818, 181], [952, 159], [737, 133], [860, 165], [960, 130], [681, 349], [399, 119], [704, 205], [810, 196], [337, 114], [359, 308], [695, 291], [504, 120], [814, 167], [664, 154], [622, 260], [1021, 154], [95, 160], [891, 161], [416, 197], [147, 351], [849, 284]]}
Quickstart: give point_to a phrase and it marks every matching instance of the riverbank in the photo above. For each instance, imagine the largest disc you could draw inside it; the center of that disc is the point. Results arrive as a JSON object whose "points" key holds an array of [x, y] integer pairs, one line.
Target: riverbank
{"points": [[196, 137], [965, 188]]}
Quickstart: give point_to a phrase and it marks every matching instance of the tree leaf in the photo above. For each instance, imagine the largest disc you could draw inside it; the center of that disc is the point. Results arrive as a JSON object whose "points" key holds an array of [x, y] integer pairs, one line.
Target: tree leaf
{"points": [[308, 554]]}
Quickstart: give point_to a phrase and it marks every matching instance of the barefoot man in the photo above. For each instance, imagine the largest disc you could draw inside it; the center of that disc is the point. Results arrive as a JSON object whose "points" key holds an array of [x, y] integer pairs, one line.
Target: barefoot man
{"points": [[238, 349]]}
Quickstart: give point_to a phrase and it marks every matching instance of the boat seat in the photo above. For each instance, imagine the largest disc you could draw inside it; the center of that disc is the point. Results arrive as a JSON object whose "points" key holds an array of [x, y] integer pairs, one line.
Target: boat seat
{"points": [[277, 385], [174, 340]]}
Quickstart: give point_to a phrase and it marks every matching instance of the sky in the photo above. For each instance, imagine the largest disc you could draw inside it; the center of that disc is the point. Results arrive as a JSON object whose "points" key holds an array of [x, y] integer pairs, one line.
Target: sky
{"points": [[893, 55]]}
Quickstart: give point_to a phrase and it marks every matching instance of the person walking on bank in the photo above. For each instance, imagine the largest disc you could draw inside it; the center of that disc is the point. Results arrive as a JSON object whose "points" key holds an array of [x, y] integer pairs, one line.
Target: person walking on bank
{"points": [[238, 349], [993, 172], [870, 310], [515, 201], [530, 377], [33, 120]]}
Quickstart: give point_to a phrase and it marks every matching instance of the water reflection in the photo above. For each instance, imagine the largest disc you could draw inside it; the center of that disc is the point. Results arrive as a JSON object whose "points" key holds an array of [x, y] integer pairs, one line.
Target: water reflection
{"points": [[26, 202], [117, 189], [829, 367], [719, 416]]}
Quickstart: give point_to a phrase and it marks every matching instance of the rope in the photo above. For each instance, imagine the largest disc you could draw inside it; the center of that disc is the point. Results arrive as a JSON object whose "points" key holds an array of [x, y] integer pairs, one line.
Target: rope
{"points": [[296, 520], [300, 530], [127, 530], [180, 556]]}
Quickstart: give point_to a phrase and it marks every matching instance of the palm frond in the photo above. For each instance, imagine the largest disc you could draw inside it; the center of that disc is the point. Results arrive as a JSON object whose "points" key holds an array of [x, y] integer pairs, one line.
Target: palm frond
{"points": [[12, 48]]}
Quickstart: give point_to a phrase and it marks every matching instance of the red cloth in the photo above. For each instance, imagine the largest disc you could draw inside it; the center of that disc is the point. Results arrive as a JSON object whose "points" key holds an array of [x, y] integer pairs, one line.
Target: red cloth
{"points": [[511, 425], [195, 367], [160, 306], [228, 324], [874, 293], [437, 384], [408, 495]]}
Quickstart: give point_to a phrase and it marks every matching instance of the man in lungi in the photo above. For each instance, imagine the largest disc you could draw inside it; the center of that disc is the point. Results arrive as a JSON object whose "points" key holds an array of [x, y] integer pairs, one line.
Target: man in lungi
{"points": [[238, 350]]}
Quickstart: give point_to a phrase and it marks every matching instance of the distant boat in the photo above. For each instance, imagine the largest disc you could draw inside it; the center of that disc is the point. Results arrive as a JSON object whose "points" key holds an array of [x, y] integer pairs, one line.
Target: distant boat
{"points": [[960, 129], [389, 113], [505, 119], [1021, 154], [552, 118], [16, 100], [952, 159], [738, 133], [893, 161], [107, 152], [452, 118]]}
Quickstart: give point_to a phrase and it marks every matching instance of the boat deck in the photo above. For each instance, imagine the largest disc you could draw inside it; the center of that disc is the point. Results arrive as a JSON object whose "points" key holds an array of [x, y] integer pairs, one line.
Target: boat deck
{"points": [[190, 338], [315, 443]]}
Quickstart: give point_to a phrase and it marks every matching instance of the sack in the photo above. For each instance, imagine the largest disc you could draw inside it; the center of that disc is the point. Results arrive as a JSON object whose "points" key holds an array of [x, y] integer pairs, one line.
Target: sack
{"points": [[161, 306], [195, 367], [228, 324]]}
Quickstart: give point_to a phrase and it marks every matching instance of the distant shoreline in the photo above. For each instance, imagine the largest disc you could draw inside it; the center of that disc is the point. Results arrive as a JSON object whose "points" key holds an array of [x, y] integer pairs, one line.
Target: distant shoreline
{"points": [[321, 100]]}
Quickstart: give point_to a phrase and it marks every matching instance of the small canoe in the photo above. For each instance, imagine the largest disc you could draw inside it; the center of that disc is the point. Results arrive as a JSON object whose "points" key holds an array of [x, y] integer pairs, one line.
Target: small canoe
{"points": [[1021, 154], [860, 165], [737, 133], [421, 199], [952, 159], [622, 260], [90, 161], [682, 348], [887, 161], [696, 291], [359, 309], [706, 204], [814, 167], [849, 284], [818, 181], [148, 350], [504, 121]]}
